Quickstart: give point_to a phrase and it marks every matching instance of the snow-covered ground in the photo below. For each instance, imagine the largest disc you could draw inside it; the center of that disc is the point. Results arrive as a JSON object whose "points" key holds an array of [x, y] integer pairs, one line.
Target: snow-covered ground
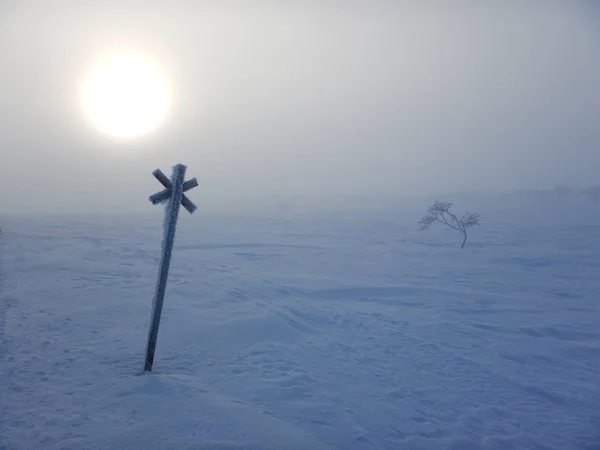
{"points": [[333, 332]]}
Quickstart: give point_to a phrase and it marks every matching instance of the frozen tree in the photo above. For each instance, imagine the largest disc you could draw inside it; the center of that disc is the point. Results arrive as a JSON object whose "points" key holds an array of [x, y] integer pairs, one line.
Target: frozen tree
{"points": [[440, 212]]}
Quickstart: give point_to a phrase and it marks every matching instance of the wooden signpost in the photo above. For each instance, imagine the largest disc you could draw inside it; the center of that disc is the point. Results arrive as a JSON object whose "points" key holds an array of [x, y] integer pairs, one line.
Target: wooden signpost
{"points": [[174, 195]]}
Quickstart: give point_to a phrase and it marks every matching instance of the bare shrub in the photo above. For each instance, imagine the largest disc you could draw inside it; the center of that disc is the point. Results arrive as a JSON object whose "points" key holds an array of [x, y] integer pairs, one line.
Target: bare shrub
{"points": [[440, 212]]}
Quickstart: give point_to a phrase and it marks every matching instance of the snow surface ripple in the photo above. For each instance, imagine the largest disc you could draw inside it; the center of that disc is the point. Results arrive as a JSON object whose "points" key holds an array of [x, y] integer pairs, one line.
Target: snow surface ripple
{"points": [[324, 333]]}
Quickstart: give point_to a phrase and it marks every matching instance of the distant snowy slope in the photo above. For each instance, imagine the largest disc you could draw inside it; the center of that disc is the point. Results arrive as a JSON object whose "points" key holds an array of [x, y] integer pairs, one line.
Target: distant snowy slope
{"points": [[339, 332]]}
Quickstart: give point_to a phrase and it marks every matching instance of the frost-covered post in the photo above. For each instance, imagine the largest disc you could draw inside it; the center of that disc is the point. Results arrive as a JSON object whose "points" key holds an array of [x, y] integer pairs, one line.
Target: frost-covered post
{"points": [[174, 195]]}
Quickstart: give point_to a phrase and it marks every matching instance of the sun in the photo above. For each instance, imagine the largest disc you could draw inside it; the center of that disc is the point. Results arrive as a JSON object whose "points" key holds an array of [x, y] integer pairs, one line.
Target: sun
{"points": [[125, 95]]}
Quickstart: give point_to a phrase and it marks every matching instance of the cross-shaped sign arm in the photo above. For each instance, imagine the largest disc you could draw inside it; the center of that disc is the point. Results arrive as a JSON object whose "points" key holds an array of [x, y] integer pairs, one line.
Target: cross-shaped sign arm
{"points": [[160, 197], [165, 194], [164, 180], [190, 184], [185, 201]]}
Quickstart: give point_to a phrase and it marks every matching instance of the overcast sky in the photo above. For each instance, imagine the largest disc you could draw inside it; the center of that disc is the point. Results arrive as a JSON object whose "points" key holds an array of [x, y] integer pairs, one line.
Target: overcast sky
{"points": [[323, 100]]}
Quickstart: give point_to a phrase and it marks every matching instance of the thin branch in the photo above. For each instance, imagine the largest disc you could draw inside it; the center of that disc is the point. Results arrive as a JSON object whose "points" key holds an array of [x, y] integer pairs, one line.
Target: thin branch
{"points": [[446, 223]]}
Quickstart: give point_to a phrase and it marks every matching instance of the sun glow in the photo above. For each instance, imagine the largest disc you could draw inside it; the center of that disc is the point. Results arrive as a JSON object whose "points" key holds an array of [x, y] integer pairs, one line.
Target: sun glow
{"points": [[125, 95]]}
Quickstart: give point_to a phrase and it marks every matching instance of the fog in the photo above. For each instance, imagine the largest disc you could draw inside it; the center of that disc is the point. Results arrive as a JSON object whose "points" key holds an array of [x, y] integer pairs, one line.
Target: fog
{"points": [[315, 103]]}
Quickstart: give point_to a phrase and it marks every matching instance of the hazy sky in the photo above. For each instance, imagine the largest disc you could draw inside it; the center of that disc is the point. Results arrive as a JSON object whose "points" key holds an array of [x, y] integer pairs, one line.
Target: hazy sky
{"points": [[285, 100]]}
